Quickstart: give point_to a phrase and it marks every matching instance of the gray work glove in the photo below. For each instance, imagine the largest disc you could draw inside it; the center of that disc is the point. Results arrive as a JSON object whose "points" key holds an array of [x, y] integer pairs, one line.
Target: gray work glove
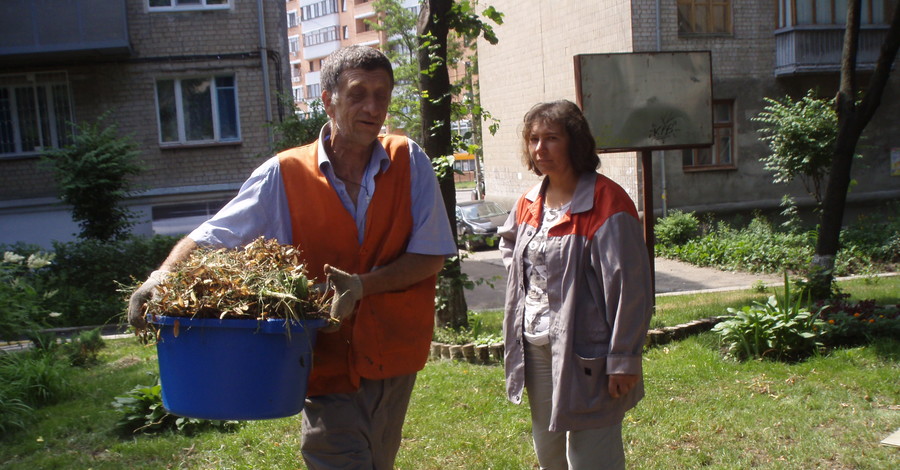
{"points": [[348, 290], [141, 295]]}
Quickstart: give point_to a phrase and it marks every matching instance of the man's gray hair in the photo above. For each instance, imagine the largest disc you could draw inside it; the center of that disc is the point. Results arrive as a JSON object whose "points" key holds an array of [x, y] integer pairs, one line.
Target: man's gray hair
{"points": [[352, 57]]}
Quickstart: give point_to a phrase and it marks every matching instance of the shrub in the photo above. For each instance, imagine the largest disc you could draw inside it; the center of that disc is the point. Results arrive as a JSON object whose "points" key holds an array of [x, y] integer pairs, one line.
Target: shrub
{"points": [[22, 304], [778, 329], [87, 274], [93, 177], [676, 228]]}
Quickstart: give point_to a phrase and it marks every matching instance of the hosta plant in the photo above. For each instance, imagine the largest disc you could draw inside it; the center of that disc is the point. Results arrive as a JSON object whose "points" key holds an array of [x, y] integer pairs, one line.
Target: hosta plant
{"points": [[781, 329], [143, 413]]}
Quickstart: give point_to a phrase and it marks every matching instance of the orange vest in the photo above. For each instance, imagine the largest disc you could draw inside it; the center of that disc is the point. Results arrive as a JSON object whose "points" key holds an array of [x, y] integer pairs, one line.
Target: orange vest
{"points": [[390, 335]]}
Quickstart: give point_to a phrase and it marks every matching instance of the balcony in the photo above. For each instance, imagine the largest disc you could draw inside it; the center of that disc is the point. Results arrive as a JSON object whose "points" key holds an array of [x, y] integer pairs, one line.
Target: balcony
{"points": [[36, 32], [809, 49]]}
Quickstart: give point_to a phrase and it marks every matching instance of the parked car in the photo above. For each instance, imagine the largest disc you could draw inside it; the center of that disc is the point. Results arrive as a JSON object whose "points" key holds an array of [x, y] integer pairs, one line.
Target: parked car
{"points": [[477, 222]]}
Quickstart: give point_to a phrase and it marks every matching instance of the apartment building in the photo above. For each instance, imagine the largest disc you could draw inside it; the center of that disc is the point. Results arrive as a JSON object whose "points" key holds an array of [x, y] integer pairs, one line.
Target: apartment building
{"points": [[194, 83], [317, 28], [758, 48]]}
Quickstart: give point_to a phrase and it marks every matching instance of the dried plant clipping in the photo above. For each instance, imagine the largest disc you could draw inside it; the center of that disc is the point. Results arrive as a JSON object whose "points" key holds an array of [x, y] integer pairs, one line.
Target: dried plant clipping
{"points": [[264, 280]]}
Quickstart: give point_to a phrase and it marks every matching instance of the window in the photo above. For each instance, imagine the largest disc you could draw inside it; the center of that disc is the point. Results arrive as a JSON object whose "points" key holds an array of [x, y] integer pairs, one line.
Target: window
{"points": [[314, 91], [704, 17], [721, 154], [35, 113], [346, 31], [830, 12], [198, 110], [294, 44], [169, 5], [320, 36], [292, 19], [318, 9], [298, 94]]}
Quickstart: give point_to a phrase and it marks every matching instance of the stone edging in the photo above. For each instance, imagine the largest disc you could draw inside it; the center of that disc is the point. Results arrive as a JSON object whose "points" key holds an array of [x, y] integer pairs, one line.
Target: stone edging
{"points": [[493, 353]]}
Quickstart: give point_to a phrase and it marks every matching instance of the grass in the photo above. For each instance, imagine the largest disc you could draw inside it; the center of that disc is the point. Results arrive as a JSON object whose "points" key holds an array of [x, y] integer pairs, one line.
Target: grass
{"points": [[700, 411]]}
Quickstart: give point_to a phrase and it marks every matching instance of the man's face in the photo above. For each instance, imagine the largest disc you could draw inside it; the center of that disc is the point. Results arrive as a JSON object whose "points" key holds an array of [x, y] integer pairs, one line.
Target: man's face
{"points": [[359, 106]]}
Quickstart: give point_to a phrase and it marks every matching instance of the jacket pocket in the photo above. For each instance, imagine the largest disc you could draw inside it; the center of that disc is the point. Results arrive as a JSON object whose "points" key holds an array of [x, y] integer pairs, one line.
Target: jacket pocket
{"points": [[589, 386]]}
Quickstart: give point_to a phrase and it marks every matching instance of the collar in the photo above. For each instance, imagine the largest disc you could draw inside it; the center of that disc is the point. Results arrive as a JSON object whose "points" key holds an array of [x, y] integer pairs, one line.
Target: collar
{"points": [[379, 158], [582, 200]]}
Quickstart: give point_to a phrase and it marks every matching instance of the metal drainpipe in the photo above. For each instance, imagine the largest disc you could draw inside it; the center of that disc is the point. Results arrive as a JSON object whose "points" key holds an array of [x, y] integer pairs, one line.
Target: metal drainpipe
{"points": [[661, 153], [264, 60]]}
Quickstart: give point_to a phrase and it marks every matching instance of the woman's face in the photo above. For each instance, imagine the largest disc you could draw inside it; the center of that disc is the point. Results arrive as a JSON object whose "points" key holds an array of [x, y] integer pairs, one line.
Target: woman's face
{"points": [[548, 146]]}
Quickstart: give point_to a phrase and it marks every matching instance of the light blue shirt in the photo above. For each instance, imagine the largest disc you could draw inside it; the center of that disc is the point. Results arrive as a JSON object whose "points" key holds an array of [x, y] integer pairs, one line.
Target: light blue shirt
{"points": [[261, 208]]}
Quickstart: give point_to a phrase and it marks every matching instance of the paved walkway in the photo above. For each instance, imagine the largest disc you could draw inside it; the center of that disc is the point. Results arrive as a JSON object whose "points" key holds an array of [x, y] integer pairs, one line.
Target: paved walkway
{"points": [[672, 277]]}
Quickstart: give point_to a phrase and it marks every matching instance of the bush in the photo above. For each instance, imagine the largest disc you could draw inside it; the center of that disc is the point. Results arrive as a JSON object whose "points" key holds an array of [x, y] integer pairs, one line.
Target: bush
{"points": [[676, 228], [87, 276], [22, 304], [36, 377]]}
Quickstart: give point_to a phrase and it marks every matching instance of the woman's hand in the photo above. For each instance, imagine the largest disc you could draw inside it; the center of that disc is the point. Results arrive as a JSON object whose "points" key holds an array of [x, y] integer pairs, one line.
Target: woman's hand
{"points": [[621, 384]]}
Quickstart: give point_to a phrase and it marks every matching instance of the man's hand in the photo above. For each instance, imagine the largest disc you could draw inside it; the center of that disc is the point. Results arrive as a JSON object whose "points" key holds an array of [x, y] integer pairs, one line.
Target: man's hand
{"points": [[348, 290], [621, 384], [141, 295]]}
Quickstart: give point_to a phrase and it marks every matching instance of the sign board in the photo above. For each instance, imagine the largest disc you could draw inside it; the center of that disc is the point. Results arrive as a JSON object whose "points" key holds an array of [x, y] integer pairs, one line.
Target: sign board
{"points": [[646, 101]]}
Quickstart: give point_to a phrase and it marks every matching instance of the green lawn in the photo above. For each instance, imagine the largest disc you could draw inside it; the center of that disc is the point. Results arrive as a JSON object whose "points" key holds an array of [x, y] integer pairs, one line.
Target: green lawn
{"points": [[701, 410]]}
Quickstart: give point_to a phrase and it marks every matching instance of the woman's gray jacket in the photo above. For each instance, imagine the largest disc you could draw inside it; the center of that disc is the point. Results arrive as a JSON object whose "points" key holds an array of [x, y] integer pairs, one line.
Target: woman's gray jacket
{"points": [[600, 294]]}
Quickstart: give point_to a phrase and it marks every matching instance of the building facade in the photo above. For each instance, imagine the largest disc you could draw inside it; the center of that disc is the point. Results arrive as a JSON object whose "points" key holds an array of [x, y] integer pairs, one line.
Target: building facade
{"points": [[194, 83], [758, 49]]}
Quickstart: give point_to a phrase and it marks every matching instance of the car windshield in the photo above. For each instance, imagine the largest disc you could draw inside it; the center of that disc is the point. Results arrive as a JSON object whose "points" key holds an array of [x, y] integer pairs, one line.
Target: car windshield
{"points": [[482, 210]]}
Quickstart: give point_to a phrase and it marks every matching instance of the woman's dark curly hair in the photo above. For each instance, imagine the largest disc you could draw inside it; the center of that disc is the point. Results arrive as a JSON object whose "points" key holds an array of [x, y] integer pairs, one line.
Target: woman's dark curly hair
{"points": [[582, 148]]}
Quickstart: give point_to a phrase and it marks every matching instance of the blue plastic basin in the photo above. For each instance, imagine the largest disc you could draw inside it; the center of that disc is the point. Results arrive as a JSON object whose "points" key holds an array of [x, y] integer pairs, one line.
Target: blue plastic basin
{"points": [[234, 369]]}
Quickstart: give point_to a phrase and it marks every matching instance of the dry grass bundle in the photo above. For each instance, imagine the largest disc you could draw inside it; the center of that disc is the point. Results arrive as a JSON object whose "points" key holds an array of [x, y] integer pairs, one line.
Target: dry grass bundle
{"points": [[261, 281]]}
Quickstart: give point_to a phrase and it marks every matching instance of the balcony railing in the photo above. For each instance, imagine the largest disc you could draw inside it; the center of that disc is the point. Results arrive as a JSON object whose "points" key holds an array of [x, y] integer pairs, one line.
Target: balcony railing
{"points": [[43, 31], [817, 48]]}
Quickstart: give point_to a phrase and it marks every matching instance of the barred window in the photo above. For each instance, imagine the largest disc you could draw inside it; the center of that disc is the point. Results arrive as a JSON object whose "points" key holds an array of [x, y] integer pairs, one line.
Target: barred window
{"points": [[704, 17], [35, 113]]}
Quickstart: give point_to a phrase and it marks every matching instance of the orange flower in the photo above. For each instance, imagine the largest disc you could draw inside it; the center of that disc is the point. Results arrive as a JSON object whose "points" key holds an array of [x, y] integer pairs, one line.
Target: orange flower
{"points": [[871, 320], [856, 314], [831, 322]]}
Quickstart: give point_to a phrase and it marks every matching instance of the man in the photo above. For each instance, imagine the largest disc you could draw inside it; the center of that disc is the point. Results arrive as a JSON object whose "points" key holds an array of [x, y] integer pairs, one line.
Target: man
{"points": [[366, 212]]}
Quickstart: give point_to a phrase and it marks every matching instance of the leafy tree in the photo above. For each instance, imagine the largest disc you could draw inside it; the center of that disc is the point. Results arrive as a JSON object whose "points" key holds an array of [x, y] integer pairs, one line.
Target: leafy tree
{"points": [[436, 19], [399, 25], [801, 136], [300, 128], [853, 117], [93, 177]]}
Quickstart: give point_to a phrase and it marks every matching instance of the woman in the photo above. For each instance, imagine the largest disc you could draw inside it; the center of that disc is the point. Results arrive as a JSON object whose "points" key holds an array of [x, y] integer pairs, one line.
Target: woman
{"points": [[578, 299]]}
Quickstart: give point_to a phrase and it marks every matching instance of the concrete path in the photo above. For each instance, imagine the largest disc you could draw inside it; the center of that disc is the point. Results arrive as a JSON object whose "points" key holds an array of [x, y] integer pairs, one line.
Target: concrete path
{"points": [[671, 277]]}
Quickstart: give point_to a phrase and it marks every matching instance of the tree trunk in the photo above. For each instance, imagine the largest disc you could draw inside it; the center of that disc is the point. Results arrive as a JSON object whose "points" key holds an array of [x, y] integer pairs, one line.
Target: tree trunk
{"points": [[852, 120], [435, 104]]}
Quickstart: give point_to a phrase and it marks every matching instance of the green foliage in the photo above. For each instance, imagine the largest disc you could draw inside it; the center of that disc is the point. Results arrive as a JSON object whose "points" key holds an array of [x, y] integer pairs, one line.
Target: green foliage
{"points": [[676, 228], [399, 25], [781, 329], [83, 349], [801, 136], [36, 378], [14, 413], [23, 305], [755, 248], [143, 412], [479, 330], [861, 322], [93, 177], [299, 128]]}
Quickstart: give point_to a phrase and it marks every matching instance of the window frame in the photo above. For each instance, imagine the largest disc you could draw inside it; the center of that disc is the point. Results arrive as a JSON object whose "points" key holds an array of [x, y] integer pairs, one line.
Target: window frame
{"points": [[215, 111], [715, 148], [56, 128], [693, 4], [199, 5]]}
